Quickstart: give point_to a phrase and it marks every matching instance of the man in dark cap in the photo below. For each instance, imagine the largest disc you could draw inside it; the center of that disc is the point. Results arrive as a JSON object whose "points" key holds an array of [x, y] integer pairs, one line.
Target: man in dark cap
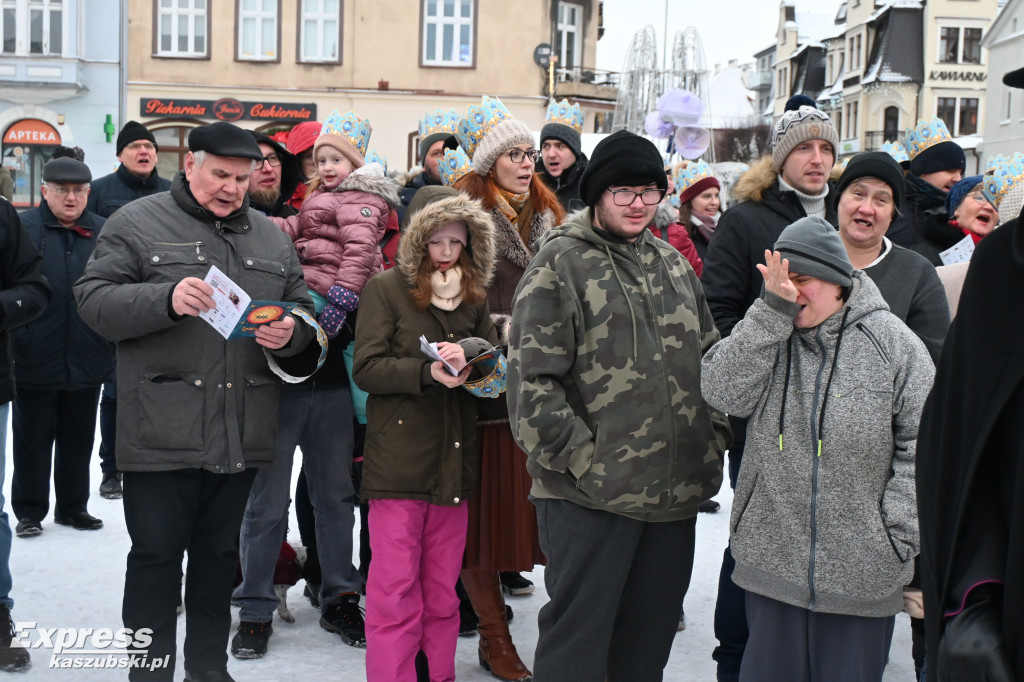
{"points": [[621, 445], [198, 413], [61, 363], [562, 161], [274, 179], [136, 177]]}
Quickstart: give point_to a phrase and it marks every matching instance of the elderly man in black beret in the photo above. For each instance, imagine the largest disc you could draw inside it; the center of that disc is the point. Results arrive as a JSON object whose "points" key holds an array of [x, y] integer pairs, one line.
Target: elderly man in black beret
{"points": [[136, 177], [197, 413], [61, 363]]}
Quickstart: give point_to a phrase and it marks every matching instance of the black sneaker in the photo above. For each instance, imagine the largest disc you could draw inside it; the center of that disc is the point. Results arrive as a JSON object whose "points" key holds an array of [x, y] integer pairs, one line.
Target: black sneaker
{"points": [[708, 507], [345, 618], [251, 639], [28, 527], [110, 486], [12, 658], [514, 584]]}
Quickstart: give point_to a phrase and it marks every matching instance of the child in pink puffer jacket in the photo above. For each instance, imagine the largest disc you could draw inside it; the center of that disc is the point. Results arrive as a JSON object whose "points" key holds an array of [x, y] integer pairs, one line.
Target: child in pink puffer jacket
{"points": [[338, 230]]}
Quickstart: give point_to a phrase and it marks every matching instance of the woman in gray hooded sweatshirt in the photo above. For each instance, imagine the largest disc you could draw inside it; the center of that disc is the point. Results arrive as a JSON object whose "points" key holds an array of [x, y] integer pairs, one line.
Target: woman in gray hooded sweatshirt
{"points": [[824, 519]]}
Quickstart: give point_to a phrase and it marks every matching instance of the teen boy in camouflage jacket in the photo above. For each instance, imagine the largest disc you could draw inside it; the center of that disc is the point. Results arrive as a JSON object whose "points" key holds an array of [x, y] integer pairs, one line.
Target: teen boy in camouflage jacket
{"points": [[608, 328]]}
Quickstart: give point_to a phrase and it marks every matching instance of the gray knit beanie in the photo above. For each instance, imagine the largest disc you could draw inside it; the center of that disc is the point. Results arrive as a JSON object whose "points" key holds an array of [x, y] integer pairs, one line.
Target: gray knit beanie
{"points": [[800, 125], [814, 248], [499, 139]]}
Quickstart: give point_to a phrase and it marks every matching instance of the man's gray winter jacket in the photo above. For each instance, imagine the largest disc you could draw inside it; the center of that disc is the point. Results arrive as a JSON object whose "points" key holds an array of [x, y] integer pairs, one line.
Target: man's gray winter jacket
{"points": [[824, 515]]}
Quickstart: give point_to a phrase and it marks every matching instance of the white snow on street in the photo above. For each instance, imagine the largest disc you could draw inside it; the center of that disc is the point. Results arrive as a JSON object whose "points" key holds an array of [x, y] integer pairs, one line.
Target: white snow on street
{"points": [[66, 578]]}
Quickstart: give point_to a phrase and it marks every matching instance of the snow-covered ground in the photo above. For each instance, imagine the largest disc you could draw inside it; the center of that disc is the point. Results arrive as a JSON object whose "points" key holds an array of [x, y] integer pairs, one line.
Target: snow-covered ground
{"points": [[74, 579]]}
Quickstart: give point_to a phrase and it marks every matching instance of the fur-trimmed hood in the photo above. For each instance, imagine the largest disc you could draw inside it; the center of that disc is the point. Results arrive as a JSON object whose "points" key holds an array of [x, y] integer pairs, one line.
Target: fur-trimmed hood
{"points": [[432, 217], [761, 176], [371, 179]]}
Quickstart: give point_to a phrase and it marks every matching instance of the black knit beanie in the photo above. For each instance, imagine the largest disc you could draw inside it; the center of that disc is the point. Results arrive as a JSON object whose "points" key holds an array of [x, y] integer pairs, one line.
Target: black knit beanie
{"points": [[814, 248], [564, 134], [132, 132], [622, 158], [940, 157], [874, 165]]}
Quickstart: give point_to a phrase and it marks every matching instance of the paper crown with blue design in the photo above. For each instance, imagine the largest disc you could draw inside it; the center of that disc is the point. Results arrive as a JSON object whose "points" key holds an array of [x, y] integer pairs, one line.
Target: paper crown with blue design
{"points": [[1004, 176], [373, 156], [346, 133], [692, 178], [931, 148], [454, 164], [566, 114], [996, 161], [435, 126], [896, 150], [487, 130]]}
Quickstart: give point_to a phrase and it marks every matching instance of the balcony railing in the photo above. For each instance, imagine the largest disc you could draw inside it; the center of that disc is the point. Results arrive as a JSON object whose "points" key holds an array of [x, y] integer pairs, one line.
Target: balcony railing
{"points": [[582, 81], [760, 79]]}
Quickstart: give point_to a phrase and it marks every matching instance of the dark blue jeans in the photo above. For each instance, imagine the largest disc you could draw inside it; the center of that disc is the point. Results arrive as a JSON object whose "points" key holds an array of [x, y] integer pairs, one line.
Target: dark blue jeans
{"points": [[319, 421], [108, 428]]}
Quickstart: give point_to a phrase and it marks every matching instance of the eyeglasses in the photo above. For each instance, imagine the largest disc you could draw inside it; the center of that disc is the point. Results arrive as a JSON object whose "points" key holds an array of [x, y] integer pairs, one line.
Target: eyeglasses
{"points": [[516, 155], [980, 197], [62, 191], [625, 197], [272, 159], [136, 146]]}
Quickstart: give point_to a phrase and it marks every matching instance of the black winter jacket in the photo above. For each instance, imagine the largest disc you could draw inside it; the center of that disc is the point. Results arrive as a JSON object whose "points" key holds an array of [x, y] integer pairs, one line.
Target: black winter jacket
{"points": [[906, 229], [58, 350], [567, 185], [730, 278], [121, 187], [24, 291]]}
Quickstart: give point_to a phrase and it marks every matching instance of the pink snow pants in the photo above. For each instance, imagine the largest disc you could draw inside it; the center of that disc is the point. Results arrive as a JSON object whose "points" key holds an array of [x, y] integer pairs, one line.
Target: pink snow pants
{"points": [[410, 593]]}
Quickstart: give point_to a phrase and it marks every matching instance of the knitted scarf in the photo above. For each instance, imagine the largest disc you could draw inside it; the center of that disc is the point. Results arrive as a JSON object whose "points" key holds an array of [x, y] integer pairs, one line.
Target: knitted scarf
{"points": [[814, 204], [446, 288], [510, 204]]}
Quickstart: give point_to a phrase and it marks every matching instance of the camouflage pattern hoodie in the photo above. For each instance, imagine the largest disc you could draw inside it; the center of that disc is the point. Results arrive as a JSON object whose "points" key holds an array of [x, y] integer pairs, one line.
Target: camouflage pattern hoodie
{"points": [[604, 376]]}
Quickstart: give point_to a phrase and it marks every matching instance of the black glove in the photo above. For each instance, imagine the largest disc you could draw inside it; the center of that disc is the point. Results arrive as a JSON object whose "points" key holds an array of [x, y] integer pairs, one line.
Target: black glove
{"points": [[971, 648]]}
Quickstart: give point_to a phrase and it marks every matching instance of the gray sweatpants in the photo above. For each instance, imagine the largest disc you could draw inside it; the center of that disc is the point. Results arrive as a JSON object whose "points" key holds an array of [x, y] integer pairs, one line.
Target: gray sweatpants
{"points": [[792, 644], [615, 585]]}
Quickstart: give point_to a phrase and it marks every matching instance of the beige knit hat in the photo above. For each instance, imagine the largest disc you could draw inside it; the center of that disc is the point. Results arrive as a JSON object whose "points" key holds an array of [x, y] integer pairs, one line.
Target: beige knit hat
{"points": [[346, 148], [488, 129], [499, 139], [800, 125]]}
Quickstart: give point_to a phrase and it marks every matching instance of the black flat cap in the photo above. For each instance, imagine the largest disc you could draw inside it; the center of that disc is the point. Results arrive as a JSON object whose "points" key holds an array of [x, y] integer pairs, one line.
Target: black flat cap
{"points": [[67, 170], [224, 139], [1015, 79]]}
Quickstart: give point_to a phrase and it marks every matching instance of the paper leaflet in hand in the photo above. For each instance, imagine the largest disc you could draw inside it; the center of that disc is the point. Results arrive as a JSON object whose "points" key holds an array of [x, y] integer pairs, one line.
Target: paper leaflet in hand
{"points": [[235, 314]]}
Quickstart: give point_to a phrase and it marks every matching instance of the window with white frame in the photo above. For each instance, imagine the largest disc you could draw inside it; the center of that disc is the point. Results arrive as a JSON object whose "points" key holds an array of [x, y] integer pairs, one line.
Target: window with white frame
{"points": [[448, 32], [32, 27], [257, 29], [569, 35], [959, 45], [851, 120], [320, 38], [182, 28], [959, 114]]}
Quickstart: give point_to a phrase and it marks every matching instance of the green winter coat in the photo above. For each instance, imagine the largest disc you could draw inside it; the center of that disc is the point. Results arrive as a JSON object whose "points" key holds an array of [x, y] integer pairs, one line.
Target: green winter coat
{"points": [[604, 376], [420, 435]]}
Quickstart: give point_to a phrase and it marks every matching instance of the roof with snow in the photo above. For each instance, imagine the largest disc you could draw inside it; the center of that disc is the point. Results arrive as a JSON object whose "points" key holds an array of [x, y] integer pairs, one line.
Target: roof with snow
{"points": [[731, 103], [897, 55]]}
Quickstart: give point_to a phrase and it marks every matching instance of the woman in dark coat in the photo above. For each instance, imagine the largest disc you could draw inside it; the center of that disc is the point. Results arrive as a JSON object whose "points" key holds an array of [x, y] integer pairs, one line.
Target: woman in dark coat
{"points": [[502, 522]]}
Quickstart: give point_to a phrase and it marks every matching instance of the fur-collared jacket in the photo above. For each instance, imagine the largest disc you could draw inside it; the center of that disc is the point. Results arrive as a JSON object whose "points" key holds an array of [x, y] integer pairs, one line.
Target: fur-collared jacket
{"points": [[666, 226], [420, 435], [761, 212], [337, 232]]}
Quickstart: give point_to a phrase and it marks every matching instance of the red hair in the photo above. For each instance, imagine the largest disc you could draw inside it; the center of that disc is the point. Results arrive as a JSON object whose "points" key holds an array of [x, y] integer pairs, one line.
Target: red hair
{"points": [[541, 198]]}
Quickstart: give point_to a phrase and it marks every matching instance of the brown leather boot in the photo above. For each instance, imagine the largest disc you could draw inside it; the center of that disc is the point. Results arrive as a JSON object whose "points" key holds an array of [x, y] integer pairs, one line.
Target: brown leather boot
{"points": [[497, 653]]}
